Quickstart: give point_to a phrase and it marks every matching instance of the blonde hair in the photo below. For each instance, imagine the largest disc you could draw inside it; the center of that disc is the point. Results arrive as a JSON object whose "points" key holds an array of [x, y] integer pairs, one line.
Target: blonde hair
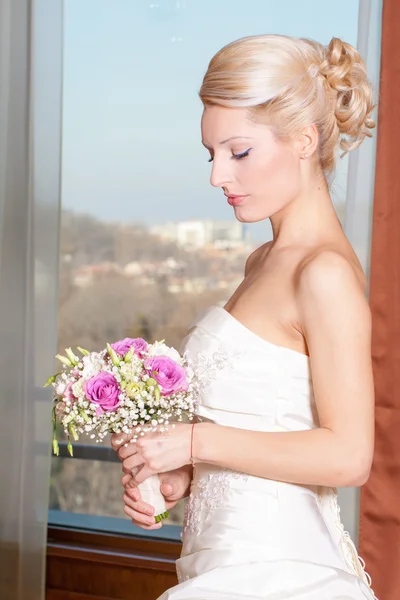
{"points": [[290, 83]]}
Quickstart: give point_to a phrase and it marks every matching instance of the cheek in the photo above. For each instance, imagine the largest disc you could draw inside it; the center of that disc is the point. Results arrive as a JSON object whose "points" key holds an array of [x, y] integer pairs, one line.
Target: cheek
{"points": [[279, 175]]}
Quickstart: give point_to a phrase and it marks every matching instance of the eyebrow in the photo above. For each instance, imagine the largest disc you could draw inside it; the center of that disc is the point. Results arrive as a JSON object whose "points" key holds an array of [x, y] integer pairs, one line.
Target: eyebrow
{"points": [[235, 137]]}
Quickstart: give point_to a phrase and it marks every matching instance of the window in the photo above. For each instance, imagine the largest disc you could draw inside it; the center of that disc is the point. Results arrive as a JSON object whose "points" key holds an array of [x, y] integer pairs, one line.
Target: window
{"points": [[144, 238]]}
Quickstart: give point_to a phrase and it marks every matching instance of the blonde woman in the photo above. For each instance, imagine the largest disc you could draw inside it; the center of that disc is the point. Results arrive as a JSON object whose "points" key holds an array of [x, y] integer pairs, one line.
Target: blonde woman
{"points": [[287, 413]]}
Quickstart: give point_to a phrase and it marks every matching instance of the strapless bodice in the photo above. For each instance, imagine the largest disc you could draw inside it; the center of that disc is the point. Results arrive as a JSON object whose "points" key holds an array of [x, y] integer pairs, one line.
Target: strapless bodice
{"points": [[249, 382], [234, 519]]}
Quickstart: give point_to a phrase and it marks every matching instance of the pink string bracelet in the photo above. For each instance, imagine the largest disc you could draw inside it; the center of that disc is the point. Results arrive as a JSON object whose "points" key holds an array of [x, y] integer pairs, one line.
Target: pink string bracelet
{"points": [[191, 446]]}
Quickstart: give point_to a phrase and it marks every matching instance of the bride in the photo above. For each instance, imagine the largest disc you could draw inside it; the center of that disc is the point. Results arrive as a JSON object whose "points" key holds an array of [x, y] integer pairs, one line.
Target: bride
{"points": [[287, 411]]}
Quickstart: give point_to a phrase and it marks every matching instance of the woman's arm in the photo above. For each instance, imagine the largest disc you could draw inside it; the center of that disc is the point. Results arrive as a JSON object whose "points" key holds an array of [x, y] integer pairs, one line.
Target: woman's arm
{"points": [[336, 321]]}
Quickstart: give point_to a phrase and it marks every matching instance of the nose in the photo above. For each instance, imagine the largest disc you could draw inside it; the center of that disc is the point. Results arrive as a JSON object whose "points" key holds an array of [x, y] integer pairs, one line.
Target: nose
{"points": [[219, 176]]}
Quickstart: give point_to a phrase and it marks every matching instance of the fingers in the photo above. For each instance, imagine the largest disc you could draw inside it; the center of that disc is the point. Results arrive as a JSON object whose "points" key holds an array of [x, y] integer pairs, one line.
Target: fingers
{"points": [[132, 462], [118, 439], [128, 479], [175, 484], [141, 513], [138, 505], [167, 490], [127, 449], [134, 492], [140, 520], [143, 474]]}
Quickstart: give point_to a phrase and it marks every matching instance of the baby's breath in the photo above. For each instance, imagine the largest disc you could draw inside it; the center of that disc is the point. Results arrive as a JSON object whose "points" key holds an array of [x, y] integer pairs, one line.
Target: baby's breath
{"points": [[140, 405]]}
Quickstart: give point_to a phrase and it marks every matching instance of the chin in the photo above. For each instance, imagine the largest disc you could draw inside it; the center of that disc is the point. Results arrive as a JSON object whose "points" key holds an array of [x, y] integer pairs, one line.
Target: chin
{"points": [[248, 218]]}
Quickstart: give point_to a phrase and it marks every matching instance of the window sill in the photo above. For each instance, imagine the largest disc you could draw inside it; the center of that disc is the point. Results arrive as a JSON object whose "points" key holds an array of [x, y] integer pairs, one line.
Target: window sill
{"points": [[108, 565]]}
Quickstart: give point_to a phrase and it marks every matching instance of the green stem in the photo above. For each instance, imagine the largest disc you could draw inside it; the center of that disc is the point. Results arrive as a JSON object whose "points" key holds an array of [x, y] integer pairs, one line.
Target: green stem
{"points": [[70, 448], [163, 515], [84, 415], [56, 448]]}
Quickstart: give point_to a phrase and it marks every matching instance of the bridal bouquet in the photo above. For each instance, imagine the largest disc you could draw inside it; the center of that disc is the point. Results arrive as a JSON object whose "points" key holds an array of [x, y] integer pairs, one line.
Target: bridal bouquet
{"points": [[130, 385]]}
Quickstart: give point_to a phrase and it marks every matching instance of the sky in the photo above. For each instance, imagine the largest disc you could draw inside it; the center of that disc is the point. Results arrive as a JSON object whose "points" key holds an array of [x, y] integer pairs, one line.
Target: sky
{"points": [[131, 147]]}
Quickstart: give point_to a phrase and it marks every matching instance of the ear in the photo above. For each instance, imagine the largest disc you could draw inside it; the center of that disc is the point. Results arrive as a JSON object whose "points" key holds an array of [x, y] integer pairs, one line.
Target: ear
{"points": [[307, 142]]}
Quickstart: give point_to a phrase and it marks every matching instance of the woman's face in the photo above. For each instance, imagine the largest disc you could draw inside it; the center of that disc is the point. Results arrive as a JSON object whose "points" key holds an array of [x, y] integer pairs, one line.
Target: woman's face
{"points": [[258, 174]]}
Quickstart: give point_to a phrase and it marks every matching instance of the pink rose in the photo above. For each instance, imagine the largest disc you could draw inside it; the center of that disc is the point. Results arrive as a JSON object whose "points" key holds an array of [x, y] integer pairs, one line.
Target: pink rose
{"points": [[103, 389], [68, 393], [123, 346], [167, 373]]}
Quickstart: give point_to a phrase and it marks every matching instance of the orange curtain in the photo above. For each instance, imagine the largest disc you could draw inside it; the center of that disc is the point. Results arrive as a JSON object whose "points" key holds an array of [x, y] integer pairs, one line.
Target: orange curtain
{"points": [[379, 542]]}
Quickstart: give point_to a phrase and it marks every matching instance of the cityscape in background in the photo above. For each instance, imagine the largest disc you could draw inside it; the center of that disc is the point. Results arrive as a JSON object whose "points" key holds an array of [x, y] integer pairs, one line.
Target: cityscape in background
{"points": [[139, 254], [127, 280]]}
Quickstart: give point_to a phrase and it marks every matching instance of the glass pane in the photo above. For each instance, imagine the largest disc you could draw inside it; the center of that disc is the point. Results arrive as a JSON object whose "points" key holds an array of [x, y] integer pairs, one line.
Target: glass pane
{"points": [[146, 242]]}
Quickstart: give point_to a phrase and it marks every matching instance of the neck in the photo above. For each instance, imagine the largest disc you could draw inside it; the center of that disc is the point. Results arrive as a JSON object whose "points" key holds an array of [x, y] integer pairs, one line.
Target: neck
{"points": [[308, 219]]}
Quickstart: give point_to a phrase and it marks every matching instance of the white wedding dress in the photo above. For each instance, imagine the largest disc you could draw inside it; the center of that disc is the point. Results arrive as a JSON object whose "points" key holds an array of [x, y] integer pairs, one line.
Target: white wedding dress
{"points": [[246, 537]]}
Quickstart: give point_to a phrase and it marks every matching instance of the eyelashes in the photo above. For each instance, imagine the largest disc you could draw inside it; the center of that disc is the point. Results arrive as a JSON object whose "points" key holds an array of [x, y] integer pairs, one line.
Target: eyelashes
{"points": [[236, 156], [241, 155]]}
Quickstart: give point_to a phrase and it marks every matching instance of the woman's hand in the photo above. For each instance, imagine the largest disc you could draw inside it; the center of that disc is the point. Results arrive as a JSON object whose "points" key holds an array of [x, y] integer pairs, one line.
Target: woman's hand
{"points": [[174, 486], [154, 452]]}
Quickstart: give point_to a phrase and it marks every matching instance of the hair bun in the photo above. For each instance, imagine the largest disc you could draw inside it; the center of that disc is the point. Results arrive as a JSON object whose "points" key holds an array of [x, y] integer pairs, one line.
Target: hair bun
{"points": [[345, 72]]}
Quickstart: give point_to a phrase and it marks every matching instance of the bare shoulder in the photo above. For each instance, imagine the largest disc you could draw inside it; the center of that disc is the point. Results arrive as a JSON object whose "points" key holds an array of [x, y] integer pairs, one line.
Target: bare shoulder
{"points": [[253, 259], [330, 280]]}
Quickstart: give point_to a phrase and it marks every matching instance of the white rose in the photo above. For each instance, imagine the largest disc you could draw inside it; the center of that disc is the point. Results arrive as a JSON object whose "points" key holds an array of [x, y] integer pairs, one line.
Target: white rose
{"points": [[77, 388], [160, 349], [93, 363]]}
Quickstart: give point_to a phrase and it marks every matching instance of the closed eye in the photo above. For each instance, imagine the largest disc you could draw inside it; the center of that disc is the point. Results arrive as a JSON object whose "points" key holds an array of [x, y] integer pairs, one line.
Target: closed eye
{"points": [[241, 155], [236, 156]]}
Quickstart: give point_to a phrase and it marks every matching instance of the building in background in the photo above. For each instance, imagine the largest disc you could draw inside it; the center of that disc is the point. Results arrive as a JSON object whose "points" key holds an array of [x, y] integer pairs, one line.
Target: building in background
{"points": [[197, 233]]}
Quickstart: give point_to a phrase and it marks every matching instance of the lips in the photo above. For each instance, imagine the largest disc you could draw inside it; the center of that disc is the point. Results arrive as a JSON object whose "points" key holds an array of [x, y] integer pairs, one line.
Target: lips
{"points": [[234, 199]]}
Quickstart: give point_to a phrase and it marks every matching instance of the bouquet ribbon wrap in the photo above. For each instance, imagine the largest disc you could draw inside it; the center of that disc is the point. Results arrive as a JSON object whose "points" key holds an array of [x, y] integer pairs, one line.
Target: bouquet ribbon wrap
{"points": [[151, 494]]}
